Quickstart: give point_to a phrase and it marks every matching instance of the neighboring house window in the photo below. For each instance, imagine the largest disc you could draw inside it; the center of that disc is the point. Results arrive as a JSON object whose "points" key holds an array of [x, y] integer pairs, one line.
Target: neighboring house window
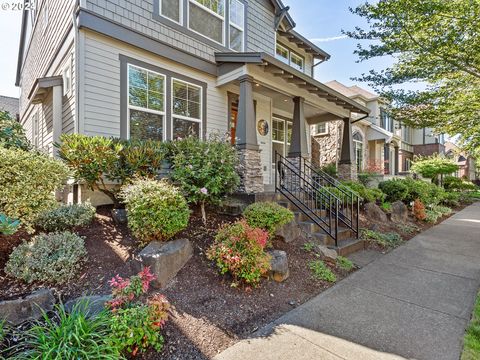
{"points": [[289, 57], [297, 61], [171, 9], [358, 150], [45, 19], [237, 15], [386, 122], [67, 80], [320, 129], [282, 53], [207, 18], [146, 104], [186, 109], [36, 130]]}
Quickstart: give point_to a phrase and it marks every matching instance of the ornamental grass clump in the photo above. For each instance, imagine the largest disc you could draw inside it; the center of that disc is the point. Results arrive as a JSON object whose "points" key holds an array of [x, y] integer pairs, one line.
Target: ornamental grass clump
{"points": [[239, 249], [53, 258], [66, 217], [136, 319], [68, 335], [156, 210], [268, 216]]}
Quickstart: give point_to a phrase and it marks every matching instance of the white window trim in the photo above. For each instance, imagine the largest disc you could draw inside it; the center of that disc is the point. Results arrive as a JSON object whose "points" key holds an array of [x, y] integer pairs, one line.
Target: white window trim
{"points": [[293, 53], [290, 53], [183, 117], [211, 12], [139, 108], [238, 27], [180, 20], [326, 132], [36, 130], [281, 58], [67, 71]]}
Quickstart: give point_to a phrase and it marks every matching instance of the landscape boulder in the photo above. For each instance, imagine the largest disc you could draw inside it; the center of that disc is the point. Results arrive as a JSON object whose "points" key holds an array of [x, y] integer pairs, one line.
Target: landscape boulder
{"points": [[373, 212], [279, 265], [399, 212], [119, 216], [27, 308], [289, 232], [165, 259], [95, 303], [329, 255]]}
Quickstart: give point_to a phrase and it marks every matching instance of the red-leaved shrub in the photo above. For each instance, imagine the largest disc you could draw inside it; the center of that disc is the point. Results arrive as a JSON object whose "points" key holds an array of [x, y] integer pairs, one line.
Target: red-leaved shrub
{"points": [[419, 210], [240, 250]]}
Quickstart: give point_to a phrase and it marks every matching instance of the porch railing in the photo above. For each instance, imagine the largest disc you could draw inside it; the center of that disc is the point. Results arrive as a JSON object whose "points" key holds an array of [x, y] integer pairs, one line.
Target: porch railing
{"points": [[313, 200], [323, 199]]}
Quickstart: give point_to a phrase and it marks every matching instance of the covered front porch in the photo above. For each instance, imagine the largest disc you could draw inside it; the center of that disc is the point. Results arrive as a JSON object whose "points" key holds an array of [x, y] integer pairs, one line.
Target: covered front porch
{"points": [[271, 107]]}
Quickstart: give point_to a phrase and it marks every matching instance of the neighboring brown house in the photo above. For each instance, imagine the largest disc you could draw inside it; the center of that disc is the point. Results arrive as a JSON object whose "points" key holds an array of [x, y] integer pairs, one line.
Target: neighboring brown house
{"points": [[10, 104], [466, 163]]}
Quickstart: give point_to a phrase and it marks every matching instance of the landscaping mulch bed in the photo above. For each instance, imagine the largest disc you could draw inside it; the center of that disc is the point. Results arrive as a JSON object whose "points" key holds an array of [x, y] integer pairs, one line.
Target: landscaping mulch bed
{"points": [[208, 313]]}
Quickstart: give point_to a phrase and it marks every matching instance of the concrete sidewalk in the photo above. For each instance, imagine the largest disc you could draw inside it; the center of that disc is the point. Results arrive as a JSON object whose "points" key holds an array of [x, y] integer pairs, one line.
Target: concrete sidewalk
{"points": [[414, 302]]}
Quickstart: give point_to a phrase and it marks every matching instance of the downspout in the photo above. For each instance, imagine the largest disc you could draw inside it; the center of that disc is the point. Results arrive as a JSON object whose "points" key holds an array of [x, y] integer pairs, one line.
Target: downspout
{"points": [[77, 66]]}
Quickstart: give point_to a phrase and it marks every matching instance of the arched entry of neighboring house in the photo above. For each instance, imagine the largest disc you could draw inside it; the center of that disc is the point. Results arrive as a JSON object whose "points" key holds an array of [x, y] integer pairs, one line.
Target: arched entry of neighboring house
{"points": [[358, 150]]}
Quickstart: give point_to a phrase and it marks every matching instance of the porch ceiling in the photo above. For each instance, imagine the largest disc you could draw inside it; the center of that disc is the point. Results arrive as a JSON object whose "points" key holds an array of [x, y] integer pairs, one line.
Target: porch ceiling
{"points": [[278, 69], [41, 87]]}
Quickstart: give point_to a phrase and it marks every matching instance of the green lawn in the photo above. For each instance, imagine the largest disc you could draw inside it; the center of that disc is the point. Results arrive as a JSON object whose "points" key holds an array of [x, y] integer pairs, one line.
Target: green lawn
{"points": [[471, 348]]}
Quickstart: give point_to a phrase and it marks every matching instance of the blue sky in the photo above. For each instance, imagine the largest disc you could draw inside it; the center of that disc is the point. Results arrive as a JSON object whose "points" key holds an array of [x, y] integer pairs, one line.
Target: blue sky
{"points": [[322, 20], [316, 19]]}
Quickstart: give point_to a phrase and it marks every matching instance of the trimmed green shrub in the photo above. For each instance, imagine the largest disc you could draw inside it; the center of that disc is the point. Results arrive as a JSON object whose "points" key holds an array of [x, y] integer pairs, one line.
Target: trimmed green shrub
{"points": [[452, 183], [451, 199], [395, 190], [68, 335], [321, 271], [367, 194], [66, 217], [330, 169], [383, 239], [27, 184], [204, 170], [156, 210], [91, 158], [240, 250], [8, 226], [54, 258], [12, 134], [268, 216], [436, 212]]}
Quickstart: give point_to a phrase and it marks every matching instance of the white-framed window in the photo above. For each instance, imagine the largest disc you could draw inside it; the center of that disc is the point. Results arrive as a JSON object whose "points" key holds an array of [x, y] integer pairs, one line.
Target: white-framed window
{"points": [[282, 53], [289, 57], [146, 104], [358, 150], [187, 108], [172, 10], [44, 19], [207, 18], [320, 129], [281, 137], [36, 130], [297, 62], [237, 23], [67, 79]]}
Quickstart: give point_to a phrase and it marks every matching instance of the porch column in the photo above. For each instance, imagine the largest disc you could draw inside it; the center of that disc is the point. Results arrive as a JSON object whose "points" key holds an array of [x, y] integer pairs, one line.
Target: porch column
{"points": [[250, 167], [397, 158], [57, 105], [346, 165], [298, 145]]}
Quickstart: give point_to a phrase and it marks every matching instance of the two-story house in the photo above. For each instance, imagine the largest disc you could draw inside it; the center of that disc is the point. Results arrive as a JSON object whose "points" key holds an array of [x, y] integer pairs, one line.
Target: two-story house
{"points": [[380, 143], [166, 69]]}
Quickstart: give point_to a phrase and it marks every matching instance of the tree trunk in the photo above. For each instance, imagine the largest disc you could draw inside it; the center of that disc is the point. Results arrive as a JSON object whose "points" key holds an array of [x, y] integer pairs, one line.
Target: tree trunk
{"points": [[204, 215]]}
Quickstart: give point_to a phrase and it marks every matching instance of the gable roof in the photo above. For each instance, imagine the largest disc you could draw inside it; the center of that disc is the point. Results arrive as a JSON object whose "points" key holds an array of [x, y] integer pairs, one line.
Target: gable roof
{"points": [[9, 104]]}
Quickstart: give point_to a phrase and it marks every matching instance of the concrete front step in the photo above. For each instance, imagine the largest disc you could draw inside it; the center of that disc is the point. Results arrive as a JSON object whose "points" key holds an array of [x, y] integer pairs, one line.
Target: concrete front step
{"points": [[322, 237], [349, 246]]}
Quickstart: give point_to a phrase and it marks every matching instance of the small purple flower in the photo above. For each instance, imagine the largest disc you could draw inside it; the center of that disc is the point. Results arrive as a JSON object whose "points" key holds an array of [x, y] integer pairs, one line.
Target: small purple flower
{"points": [[204, 191]]}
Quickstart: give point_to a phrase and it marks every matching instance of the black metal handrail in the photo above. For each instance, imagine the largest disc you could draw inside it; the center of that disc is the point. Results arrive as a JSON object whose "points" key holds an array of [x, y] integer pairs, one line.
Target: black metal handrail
{"points": [[303, 192], [349, 205]]}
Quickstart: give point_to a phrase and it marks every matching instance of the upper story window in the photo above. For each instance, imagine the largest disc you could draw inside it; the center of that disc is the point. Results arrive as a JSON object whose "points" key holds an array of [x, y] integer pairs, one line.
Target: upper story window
{"points": [[146, 104], [237, 21], [289, 57], [386, 122], [207, 17], [171, 9]]}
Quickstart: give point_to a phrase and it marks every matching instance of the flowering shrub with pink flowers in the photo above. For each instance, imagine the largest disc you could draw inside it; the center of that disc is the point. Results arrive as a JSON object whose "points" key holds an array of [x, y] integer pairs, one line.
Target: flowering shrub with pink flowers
{"points": [[137, 320], [240, 250], [204, 170]]}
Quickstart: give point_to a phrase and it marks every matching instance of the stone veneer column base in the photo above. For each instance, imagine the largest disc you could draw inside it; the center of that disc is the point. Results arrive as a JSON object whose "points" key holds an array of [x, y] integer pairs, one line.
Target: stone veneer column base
{"points": [[347, 172], [250, 171]]}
